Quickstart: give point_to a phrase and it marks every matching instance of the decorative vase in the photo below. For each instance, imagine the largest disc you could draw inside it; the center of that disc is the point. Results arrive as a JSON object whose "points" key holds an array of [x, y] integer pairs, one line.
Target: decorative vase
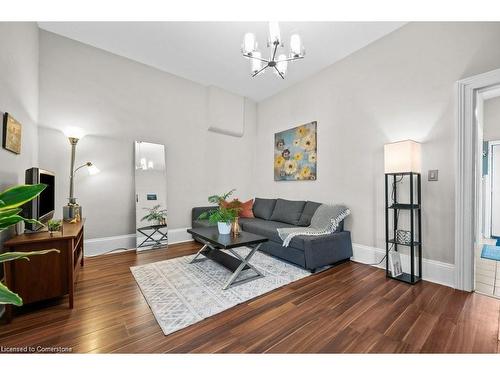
{"points": [[72, 212], [224, 228], [235, 228]]}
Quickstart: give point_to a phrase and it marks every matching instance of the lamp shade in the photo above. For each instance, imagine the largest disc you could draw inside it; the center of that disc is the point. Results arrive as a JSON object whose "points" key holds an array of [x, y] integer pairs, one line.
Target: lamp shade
{"points": [[403, 156], [93, 170], [295, 45], [274, 33], [249, 43], [74, 132]]}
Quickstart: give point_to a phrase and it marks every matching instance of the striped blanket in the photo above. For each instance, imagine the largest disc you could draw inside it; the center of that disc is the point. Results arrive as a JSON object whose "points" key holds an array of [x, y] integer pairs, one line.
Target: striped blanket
{"points": [[325, 220]]}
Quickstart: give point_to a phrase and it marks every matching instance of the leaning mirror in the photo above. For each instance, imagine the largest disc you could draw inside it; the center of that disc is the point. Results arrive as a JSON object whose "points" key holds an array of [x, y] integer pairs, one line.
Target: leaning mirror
{"points": [[150, 196]]}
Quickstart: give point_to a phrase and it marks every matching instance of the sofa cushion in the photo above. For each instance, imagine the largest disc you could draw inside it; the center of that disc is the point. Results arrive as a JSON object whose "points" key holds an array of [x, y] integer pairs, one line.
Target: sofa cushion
{"points": [[288, 211], [268, 229], [309, 210], [263, 208]]}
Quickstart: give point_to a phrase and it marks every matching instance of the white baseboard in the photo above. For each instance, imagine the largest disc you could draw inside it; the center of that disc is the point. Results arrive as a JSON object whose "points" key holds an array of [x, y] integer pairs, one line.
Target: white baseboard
{"points": [[432, 270], [179, 235], [99, 246]]}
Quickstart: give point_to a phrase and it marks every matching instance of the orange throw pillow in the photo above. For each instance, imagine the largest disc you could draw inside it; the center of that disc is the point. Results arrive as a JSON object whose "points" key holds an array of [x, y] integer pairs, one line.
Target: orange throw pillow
{"points": [[246, 209]]}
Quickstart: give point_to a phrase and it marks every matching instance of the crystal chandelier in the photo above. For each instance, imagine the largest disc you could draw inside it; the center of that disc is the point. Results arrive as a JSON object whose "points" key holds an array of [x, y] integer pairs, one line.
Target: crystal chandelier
{"points": [[277, 62]]}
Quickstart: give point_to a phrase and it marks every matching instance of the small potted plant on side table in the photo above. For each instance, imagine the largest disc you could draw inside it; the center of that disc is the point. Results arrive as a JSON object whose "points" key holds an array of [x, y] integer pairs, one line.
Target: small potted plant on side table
{"points": [[54, 226], [156, 215]]}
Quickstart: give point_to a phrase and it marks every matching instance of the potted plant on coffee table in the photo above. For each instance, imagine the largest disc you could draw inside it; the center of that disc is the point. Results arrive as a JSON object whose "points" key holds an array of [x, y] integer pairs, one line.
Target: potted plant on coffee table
{"points": [[223, 215]]}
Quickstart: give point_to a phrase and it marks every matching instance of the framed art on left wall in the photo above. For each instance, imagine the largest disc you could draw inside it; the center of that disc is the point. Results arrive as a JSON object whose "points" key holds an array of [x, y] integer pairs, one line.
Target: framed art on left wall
{"points": [[12, 131]]}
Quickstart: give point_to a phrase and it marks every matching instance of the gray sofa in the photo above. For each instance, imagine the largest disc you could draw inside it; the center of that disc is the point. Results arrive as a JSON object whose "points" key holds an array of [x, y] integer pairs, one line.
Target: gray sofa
{"points": [[309, 252]]}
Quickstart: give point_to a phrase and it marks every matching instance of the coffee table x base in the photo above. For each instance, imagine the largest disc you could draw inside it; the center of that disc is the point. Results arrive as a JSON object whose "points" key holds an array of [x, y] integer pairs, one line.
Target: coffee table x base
{"points": [[234, 262]]}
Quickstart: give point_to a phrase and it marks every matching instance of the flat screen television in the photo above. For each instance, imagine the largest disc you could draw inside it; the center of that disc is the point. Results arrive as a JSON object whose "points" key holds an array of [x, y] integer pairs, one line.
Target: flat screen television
{"points": [[42, 207]]}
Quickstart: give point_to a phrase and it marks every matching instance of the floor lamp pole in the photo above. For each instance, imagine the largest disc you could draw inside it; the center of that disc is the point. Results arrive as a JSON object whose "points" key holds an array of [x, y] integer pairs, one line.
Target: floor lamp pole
{"points": [[73, 142], [72, 211]]}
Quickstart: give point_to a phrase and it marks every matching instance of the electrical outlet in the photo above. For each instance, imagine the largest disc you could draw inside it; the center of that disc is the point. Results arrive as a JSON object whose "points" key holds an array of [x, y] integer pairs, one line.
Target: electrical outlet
{"points": [[433, 175]]}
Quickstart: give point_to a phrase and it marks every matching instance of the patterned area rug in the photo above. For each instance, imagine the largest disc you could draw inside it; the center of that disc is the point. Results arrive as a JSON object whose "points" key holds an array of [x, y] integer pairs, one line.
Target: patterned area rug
{"points": [[181, 294]]}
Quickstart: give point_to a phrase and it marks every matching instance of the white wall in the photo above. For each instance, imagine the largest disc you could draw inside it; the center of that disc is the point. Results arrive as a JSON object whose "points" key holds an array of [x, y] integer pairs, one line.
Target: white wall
{"points": [[491, 110], [400, 87], [19, 97], [118, 101]]}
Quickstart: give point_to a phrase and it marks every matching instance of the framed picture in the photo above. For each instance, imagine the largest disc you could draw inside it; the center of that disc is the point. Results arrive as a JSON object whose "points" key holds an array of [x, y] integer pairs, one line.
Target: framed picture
{"points": [[12, 129], [295, 154]]}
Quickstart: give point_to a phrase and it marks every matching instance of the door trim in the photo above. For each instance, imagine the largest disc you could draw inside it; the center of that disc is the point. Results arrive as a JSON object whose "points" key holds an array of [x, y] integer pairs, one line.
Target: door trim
{"points": [[489, 188], [465, 172]]}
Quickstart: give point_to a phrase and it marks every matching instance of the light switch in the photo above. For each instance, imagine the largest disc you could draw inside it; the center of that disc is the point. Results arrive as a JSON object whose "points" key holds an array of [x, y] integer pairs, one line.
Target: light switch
{"points": [[433, 175]]}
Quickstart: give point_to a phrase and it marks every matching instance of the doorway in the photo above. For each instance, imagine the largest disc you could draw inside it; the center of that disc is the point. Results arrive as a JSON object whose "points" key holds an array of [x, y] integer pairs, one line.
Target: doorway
{"points": [[487, 249], [468, 174]]}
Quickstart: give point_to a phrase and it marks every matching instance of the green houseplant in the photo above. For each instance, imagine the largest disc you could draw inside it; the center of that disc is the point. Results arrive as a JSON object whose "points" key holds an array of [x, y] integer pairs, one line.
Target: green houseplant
{"points": [[223, 215], [54, 226], [156, 214], [10, 202]]}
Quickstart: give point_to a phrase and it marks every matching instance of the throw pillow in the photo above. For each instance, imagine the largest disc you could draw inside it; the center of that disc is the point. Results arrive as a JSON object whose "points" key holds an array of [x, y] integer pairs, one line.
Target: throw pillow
{"points": [[288, 211], [263, 208], [246, 209]]}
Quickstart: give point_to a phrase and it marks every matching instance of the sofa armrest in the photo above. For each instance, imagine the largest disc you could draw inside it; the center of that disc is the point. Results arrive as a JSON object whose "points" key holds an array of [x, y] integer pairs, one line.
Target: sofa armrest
{"points": [[340, 227], [197, 211], [327, 249]]}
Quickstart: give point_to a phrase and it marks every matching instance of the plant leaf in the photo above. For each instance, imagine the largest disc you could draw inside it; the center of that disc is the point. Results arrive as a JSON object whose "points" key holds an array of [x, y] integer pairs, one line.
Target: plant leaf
{"points": [[6, 257], [19, 195], [9, 297], [9, 221], [9, 212], [14, 219]]}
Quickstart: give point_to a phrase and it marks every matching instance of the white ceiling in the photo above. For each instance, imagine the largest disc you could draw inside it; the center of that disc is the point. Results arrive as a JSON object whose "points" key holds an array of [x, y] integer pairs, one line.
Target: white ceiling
{"points": [[209, 52]]}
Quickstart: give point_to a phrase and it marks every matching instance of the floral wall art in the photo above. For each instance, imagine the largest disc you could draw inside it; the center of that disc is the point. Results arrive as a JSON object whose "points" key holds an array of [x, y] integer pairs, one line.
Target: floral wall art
{"points": [[295, 153]]}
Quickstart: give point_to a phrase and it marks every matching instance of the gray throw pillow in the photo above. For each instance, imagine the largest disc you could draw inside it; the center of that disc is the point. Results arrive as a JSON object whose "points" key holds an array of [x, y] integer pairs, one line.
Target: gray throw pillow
{"points": [[288, 211], [309, 210], [263, 208]]}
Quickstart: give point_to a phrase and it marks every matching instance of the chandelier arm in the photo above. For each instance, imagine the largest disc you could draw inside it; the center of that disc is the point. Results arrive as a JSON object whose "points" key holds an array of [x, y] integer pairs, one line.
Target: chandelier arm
{"points": [[256, 58], [293, 58], [274, 53], [281, 75], [253, 75]]}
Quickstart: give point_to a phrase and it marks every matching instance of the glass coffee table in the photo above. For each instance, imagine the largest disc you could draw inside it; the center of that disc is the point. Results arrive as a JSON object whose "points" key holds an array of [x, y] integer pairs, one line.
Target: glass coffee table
{"points": [[214, 243]]}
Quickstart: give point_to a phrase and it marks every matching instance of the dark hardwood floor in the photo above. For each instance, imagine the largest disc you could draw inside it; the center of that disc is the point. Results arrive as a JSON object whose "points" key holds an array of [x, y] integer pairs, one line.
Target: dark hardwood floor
{"points": [[351, 308]]}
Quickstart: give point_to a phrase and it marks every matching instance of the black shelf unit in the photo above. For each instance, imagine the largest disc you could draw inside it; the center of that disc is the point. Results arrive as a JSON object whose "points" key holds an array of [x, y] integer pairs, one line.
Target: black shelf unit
{"points": [[414, 208]]}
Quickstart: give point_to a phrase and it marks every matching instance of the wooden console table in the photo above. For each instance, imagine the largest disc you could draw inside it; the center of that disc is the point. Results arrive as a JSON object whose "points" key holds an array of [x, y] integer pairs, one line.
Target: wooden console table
{"points": [[45, 276]]}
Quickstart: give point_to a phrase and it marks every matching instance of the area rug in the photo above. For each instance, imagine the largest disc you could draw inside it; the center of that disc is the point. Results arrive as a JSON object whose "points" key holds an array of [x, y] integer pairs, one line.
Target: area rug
{"points": [[181, 294]]}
